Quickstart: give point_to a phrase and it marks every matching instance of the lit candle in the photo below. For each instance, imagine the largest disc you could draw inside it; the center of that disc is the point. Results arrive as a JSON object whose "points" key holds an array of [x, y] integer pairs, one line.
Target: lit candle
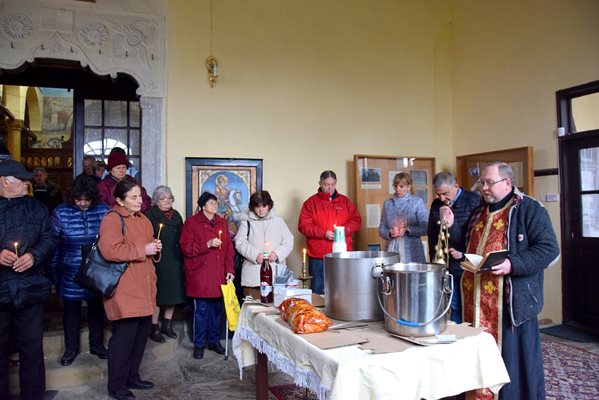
{"points": [[159, 230], [17, 248], [266, 247], [220, 234], [304, 255]]}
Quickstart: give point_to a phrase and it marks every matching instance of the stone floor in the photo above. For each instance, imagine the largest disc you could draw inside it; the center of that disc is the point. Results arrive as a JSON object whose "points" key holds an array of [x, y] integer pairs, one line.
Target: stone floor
{"points": [[180, 376]]}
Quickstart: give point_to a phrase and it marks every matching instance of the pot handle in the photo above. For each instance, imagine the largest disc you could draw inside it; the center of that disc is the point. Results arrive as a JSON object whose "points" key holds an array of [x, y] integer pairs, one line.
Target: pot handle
{"points": [[377, 270]]}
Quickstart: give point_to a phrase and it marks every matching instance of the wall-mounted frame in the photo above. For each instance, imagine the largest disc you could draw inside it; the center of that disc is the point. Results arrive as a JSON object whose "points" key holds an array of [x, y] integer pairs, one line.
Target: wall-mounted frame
{"points": [[468, 167], [374, 184], [231, 180]]}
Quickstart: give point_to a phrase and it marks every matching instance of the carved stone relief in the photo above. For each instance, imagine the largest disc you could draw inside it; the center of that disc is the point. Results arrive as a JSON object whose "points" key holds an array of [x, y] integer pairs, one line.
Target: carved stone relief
{"points": [[105, 37]]}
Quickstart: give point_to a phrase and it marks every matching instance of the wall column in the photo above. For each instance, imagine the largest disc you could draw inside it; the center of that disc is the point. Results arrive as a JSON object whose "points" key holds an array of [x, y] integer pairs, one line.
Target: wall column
{"points": [[13, 142]]}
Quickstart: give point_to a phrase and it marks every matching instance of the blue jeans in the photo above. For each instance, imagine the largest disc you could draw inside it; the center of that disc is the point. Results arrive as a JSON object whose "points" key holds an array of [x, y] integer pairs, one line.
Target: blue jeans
{"points": [[456, 300], [316, 269]]}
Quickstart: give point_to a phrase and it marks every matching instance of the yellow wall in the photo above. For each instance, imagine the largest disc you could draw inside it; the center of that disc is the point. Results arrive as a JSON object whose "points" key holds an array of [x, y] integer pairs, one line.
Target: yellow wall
{"points": [[306, 84]]}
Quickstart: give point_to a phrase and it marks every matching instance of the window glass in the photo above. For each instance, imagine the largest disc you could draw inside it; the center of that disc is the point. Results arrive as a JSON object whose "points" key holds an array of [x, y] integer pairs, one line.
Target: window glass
{"points": [[589, 168], [585, 112], [590, 215]]}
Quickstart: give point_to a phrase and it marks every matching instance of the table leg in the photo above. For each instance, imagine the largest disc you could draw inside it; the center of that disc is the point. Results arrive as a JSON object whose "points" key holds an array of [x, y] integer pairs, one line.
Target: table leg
{"points": [[261, 376]]}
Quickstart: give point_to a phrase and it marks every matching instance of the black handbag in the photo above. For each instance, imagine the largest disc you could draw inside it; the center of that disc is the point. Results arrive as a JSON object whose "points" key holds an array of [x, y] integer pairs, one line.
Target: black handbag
{"points": [[97, 274]]}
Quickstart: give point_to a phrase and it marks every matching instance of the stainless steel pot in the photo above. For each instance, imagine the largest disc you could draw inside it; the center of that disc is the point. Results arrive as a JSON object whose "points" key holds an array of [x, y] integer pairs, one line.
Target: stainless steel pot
{"points": [[349, 291], [415, 298]]}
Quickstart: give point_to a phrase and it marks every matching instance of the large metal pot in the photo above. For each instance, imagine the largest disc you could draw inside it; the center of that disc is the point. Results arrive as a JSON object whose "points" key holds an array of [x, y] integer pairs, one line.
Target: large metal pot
{"points": [[349, 290], [415, 298]]}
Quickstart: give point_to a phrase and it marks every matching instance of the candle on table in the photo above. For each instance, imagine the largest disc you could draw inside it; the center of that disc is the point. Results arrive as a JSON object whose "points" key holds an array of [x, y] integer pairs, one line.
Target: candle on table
{"points": [[304, 256], [159, 230], [17, 248]]}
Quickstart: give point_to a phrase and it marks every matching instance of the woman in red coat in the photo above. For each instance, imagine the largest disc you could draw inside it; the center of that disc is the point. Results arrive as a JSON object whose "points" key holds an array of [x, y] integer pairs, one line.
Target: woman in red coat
{"points": [[208, 262]]}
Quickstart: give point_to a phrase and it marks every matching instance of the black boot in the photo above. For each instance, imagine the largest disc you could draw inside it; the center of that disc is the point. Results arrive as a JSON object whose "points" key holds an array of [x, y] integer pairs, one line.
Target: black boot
{"points": [[167, 328], [155, 334]]}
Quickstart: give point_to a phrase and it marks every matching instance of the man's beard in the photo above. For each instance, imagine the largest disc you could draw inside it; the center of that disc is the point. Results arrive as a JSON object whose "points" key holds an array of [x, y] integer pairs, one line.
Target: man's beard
{"points": [[490, 199]]}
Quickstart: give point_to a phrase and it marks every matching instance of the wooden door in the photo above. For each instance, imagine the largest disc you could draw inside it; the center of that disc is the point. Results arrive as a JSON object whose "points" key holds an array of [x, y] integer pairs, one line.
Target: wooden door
{"points": [[579, 178]]}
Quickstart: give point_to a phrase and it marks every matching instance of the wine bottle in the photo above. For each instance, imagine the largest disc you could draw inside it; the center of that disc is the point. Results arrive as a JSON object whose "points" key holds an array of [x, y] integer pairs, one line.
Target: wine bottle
{"points": [[266, 294]]}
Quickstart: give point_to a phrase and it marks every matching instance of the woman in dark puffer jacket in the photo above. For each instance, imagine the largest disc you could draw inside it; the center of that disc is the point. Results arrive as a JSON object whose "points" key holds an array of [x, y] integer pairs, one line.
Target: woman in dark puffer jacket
{"points": [[76, 223]]}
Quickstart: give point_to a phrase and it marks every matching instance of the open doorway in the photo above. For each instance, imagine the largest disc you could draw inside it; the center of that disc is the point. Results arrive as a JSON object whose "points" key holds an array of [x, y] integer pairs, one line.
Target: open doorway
{"points": [[64, 111]]}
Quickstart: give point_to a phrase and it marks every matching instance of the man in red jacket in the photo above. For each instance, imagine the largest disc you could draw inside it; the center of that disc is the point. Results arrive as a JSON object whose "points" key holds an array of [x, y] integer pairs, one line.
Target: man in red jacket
{"points": [[319, 216]]}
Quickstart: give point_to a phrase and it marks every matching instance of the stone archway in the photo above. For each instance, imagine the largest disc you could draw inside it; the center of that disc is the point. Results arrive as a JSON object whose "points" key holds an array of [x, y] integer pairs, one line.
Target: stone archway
{"points": [[106, 38]]}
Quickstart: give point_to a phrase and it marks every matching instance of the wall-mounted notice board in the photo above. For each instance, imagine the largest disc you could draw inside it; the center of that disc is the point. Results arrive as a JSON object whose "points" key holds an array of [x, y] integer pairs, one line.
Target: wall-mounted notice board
{"points": [[374, 184]]}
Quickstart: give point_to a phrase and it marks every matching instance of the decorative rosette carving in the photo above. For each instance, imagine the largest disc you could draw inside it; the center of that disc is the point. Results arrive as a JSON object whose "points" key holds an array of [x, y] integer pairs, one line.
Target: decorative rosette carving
{"points": [[17, 25], [94, 34]]}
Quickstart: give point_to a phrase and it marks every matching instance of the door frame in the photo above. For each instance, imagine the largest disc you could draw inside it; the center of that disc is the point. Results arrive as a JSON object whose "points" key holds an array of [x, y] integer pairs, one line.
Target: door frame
{"points": [[569, 217]]}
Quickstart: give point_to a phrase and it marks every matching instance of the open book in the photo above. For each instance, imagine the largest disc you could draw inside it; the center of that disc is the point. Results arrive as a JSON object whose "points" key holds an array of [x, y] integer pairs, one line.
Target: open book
{"points": [[475, 263]]}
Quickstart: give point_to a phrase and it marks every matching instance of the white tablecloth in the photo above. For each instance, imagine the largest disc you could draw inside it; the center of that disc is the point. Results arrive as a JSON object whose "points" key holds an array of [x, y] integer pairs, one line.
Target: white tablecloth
{"points": [[346, 373]]}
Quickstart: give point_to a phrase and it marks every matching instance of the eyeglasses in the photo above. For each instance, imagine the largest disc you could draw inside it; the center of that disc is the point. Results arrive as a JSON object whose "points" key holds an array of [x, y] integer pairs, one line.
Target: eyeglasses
{"points": [[167, 198], [488, 183]]}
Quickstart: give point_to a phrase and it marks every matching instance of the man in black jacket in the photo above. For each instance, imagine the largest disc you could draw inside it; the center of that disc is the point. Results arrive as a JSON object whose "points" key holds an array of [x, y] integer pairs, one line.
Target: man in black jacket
{"points": [[461, 202], [26, 243]]}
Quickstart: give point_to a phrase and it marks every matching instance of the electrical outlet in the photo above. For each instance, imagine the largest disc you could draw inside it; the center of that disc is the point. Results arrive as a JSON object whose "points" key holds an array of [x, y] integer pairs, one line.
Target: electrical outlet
{"points": [[551, 197]]}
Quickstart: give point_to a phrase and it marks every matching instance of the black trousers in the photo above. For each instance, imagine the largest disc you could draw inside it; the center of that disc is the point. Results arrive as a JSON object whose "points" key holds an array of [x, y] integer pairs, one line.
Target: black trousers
{"points": [[126, 350], [521, 352], [71, 322], [28, 325]]}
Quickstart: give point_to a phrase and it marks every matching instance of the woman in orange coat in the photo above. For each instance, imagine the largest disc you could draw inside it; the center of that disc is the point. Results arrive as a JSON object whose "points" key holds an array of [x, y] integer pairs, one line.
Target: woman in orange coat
{"points": [[208, 262], [126, 235]]}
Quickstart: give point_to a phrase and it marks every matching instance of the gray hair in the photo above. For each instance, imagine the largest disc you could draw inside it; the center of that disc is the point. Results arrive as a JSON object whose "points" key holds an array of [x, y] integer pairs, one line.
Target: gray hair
{"points": [[11, 179], [443, 179], [161, 191], [328, 174], [504, 169]]}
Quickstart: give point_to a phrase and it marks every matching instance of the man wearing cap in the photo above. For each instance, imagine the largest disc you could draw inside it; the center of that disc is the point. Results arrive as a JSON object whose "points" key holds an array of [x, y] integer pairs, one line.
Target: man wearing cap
{"points": [[26, 243], [117, 171]]}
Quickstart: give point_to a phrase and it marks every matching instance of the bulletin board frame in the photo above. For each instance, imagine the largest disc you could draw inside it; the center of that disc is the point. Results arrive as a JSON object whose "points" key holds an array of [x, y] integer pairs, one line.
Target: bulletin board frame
{"points": [[468, 167], [374, 184]]}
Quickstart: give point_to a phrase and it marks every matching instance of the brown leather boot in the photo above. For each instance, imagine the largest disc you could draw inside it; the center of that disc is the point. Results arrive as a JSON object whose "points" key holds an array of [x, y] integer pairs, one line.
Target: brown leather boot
{"points": [[167, 328], [155, 334]]}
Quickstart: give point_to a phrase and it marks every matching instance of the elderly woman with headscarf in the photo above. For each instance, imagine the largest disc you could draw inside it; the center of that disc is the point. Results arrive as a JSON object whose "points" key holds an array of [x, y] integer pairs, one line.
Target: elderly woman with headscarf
{"points": [[208, 262], [167, 223], [117, 171]]}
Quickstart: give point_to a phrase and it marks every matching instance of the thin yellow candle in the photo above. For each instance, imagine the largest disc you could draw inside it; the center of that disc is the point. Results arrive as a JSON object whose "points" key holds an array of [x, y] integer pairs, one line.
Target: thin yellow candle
{"points": [[304, 255], [220, 233], [159, 230], [17, 248]]}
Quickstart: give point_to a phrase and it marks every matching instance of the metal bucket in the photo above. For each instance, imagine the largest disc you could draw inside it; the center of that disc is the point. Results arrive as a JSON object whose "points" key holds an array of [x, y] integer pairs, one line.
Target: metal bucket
{"points": [[416, 298], [349, 291]]}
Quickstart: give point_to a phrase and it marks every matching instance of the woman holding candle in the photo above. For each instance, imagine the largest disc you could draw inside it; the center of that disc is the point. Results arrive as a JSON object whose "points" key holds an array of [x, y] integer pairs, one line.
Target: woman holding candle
{"points": [[267, 232], [76, 223], [167, 222], [404, 220], [208, 263], [134, 301]]}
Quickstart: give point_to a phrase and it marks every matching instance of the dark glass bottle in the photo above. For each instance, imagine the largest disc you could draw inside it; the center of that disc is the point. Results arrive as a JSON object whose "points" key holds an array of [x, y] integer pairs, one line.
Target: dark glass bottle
{"points": [[266, 294]]}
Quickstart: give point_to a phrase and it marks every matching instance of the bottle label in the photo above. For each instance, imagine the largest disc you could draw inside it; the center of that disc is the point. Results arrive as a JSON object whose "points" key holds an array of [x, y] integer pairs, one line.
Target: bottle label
{"points": [[265, 289]]}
